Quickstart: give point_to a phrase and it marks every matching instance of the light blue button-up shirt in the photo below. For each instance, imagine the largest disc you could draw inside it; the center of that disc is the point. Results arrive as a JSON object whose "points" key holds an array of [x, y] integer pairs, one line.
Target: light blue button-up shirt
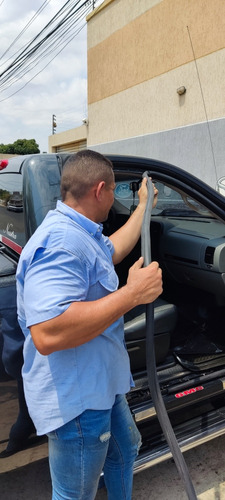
{"points": [[66, 260]]}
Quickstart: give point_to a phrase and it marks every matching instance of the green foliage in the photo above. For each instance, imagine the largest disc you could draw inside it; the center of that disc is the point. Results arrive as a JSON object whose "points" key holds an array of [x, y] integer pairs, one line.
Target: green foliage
{"points": [[4, 195], [20, 147]]}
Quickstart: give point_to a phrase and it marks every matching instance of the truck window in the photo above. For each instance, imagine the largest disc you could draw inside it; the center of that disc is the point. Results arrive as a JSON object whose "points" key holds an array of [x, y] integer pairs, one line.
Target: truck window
{"points": [[11, 211]]}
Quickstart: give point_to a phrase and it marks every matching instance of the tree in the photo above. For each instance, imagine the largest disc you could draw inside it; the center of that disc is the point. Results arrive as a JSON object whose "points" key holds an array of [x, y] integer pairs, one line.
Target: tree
{"points": [[20, 147]]}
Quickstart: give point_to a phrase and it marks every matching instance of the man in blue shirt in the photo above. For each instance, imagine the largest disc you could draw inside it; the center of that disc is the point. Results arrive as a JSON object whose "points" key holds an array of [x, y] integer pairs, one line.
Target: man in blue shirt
{"points": [[76, 368]]}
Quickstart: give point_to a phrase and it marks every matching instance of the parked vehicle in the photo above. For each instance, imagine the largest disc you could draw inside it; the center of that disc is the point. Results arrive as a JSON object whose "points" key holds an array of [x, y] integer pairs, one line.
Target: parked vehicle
{"points": [[15, 202], [188, 240]]}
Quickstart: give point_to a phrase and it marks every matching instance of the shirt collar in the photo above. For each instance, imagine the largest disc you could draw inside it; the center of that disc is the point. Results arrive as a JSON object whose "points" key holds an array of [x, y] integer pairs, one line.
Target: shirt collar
{"points": [[92, 227]]}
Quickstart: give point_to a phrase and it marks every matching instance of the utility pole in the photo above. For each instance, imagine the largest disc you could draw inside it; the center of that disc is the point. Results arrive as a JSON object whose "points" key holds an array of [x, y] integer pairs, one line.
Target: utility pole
{"points": [[54, 124]]}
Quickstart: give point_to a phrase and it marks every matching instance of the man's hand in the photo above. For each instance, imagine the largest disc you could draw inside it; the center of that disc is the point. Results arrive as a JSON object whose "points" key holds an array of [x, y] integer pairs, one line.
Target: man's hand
{"points": [[145, 282], [83, 321], [143, 193], [125, 238], [155, 199]]}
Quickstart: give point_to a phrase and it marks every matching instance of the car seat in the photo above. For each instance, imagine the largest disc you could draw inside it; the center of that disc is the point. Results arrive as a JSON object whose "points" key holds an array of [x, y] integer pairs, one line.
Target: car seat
{"points": [[165, 317]]}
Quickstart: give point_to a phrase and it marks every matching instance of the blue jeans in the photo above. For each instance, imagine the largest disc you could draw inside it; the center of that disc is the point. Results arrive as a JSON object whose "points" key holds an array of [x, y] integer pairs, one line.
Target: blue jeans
{"points": [[97, 440]]}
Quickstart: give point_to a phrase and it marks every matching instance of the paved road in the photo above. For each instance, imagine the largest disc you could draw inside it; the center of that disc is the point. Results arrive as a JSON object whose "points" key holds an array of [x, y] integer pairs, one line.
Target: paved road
{"points": [[25, 475]]}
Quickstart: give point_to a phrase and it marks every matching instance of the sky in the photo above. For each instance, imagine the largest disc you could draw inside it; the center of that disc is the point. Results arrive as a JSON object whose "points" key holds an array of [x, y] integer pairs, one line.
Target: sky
{"points": [[60, 88]]}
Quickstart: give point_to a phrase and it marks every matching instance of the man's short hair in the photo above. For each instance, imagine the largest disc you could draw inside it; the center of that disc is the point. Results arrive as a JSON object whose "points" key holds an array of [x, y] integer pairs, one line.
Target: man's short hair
{"points": [[82, 171]]}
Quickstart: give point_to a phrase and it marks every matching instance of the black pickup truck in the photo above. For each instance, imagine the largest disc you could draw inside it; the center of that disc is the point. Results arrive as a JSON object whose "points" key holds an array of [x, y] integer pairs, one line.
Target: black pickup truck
{"points": [[188, 240]]}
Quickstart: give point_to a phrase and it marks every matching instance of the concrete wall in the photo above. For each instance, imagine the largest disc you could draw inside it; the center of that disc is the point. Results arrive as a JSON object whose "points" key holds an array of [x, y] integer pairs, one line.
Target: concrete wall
{"points": [[153, 43], [154, 105], [139, 54], [198, 149]]}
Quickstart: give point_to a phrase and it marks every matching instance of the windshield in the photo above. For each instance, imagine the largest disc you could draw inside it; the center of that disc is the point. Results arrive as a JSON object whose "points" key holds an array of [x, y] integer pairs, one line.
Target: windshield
{"points": [[171, 201]]}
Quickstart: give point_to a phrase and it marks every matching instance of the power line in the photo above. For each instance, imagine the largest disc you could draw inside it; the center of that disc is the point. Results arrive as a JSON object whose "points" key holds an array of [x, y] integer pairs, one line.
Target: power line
{"points": [[36, 74], [25, 27], [59, 36], [29, 50], [61, 30]]}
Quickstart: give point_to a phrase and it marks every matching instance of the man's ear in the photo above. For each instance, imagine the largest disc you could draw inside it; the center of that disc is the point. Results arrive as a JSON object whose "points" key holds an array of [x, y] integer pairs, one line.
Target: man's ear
{"points": [[99, 188]]}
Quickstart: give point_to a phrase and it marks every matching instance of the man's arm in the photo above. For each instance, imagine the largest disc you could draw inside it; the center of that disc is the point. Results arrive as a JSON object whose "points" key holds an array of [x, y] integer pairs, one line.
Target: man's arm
{"points": [[83, 321], [127, 236]]}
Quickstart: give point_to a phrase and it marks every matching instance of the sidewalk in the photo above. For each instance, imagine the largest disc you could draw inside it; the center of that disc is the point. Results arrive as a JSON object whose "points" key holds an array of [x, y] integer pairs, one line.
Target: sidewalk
{"points": [[26, 475]]}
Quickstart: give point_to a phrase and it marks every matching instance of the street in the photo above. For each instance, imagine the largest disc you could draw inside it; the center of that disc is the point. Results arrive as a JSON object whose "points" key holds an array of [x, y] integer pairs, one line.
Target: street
{"points": [[26, 475]]}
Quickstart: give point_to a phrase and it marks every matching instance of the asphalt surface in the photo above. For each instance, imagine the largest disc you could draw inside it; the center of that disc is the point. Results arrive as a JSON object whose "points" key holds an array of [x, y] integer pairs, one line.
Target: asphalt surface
{"points": [[25, 475]]}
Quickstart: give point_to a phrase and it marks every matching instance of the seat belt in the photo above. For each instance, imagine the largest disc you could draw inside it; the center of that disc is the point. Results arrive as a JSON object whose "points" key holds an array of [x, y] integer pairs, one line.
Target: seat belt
{"points": [[151, 361]]}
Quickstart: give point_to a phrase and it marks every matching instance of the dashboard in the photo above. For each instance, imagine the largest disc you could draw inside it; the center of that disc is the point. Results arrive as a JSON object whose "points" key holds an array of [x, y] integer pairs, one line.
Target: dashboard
{"points": [[193, 251]]}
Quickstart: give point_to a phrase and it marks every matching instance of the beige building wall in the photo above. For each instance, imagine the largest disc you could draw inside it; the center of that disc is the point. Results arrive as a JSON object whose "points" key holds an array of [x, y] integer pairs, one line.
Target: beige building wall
{"points": [[141, 53], [155, 105], [113, 15], [70, 141]]}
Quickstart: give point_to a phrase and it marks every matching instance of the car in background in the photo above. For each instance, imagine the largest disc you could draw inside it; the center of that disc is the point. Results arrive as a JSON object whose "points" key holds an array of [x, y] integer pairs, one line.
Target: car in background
{"points": [[15, 202]]}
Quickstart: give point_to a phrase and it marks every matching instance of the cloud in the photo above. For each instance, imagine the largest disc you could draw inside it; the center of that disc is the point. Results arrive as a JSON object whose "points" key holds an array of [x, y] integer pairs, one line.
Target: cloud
{"points": [[60, 89]]}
